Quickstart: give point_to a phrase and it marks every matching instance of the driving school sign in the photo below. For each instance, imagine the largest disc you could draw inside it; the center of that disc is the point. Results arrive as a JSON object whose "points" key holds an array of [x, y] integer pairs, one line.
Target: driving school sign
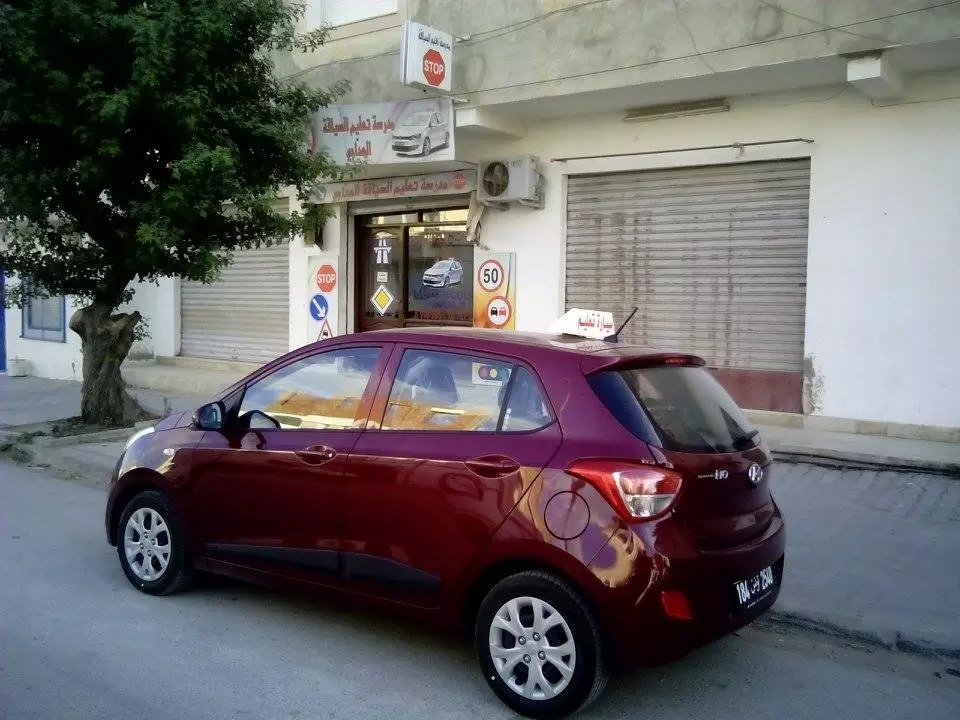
{"points": [[405, 131], [426, 57], [446, 183]]}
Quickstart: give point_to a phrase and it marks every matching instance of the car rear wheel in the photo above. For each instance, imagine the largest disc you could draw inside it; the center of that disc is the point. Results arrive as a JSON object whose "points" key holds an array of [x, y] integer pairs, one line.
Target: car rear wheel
{"points": [[151, 546], [426, 147], [539, 646]]}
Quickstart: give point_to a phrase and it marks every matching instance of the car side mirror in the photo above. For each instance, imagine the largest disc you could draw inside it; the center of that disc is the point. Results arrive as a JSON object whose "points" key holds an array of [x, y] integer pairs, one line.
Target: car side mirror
{"points": [[258, 420], [210, 417]]}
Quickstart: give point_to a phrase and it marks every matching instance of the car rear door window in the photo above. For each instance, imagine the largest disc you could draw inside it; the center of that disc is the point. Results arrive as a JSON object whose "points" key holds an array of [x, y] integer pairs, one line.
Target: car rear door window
{"points": [[450, 392], [446, 392], [322, 391]]}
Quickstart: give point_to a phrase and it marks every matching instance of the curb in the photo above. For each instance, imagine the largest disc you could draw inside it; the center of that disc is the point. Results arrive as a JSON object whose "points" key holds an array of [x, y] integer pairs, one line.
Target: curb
{"points": [[857, 461], [892, 640]]}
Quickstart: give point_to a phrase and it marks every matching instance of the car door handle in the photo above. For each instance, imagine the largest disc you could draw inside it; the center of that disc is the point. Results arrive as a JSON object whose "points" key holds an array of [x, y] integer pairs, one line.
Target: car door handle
{"points": [[493, 466], [316, 455]]}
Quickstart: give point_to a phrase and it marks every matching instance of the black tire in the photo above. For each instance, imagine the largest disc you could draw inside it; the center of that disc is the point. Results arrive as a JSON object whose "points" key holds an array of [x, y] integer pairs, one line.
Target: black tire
{"points": [[426, 147], [446, 140], [589, 676], [179, 572]]}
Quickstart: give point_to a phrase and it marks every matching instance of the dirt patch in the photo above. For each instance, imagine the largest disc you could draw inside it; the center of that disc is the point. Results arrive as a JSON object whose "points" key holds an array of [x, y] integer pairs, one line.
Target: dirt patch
{"points": [[76, 425], [14, 453]]}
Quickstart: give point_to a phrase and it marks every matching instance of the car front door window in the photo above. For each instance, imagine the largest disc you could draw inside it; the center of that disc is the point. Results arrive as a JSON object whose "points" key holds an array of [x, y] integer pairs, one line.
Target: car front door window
{"points": [[320, 392]]}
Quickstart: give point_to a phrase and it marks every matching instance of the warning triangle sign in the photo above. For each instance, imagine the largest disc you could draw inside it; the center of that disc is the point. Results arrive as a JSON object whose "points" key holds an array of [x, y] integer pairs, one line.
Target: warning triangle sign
{"points": [[325, 332]]}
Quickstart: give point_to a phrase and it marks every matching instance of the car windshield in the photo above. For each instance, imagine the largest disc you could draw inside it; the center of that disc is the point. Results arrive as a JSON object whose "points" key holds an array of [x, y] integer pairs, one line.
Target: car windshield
{"points": [[420, 118], [442, 265]]}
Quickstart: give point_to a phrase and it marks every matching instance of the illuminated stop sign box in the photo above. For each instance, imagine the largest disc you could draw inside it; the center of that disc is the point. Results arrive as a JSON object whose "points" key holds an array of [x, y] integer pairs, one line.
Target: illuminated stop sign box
{"points": [[426, 57]]}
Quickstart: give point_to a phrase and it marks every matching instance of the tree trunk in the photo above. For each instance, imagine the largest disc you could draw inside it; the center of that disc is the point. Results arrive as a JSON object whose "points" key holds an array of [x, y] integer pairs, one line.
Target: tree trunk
{"points": [[106, 340]]}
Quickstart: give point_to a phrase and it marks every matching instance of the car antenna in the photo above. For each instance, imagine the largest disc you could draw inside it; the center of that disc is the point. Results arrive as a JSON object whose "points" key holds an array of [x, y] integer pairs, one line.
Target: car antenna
{"points": [[616, 336]]}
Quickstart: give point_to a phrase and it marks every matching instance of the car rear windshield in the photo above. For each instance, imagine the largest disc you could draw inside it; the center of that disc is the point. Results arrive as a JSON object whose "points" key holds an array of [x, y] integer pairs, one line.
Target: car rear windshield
{"points": [[686, 408]]}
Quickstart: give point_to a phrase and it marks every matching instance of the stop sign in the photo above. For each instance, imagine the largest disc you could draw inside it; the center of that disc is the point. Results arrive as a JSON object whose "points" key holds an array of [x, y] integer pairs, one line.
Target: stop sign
{"points": [[434, 69], [326, 278]]}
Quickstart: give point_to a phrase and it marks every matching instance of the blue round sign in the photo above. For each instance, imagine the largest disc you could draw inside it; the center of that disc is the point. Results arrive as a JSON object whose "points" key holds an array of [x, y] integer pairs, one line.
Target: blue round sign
{"points": [[319, 307]]}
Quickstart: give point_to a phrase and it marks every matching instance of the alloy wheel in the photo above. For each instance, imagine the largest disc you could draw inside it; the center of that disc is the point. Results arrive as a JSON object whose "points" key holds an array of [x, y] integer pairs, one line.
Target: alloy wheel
{"points": [[147, 544], [532, 648]]}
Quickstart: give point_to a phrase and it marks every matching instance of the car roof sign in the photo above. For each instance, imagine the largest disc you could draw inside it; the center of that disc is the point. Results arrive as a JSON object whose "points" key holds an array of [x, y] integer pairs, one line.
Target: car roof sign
{"points": [[591, 324]]}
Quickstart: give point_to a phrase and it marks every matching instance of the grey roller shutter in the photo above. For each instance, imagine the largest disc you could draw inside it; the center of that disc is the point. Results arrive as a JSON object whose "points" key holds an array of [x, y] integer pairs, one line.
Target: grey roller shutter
{"points": [[715, 258], [245, 314]]}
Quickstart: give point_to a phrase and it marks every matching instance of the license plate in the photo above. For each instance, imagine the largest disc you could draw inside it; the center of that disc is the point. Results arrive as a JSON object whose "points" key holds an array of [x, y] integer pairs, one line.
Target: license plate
{"points": [[754, 589]]}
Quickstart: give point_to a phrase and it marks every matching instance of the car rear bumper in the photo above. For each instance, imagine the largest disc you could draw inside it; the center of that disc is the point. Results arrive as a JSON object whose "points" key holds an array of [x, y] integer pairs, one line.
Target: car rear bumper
{"points": [[706, 580]]}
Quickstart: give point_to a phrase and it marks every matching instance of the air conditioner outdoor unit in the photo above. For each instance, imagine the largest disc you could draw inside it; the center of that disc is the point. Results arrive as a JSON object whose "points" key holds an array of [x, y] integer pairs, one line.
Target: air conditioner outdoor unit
{"points": [[511, 180]]}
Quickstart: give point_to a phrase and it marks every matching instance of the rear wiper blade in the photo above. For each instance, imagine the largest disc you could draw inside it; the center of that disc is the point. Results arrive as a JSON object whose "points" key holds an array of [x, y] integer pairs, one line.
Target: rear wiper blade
{"points": [[744, 439]]}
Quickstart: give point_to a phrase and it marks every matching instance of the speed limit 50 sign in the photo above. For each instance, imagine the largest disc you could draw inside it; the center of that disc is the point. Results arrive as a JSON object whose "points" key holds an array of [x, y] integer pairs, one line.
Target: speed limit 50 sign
{"points": [[490, 275]]}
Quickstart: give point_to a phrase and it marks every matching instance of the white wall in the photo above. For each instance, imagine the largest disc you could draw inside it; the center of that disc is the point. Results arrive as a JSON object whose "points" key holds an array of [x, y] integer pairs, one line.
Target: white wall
{"points": [[883, 295], [158, 302]]}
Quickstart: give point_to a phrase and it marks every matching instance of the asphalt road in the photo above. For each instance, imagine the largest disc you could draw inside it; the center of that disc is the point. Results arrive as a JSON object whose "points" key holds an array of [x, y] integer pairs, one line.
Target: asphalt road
{"points": [[76, 641]]}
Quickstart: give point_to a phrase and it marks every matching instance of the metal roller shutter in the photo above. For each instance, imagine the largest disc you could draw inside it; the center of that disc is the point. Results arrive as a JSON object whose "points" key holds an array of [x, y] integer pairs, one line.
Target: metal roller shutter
{"points": [[715, 258], [245, 315]]}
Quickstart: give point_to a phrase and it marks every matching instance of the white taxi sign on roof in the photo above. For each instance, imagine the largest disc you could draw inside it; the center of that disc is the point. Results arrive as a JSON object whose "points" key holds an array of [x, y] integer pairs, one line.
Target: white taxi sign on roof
{"points": [[592, 324]]}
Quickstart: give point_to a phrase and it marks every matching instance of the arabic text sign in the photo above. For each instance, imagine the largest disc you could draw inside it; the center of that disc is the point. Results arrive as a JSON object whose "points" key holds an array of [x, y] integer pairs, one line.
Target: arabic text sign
{"points": [[379, 133], [593, 324], [448, 183], [426, 57]]}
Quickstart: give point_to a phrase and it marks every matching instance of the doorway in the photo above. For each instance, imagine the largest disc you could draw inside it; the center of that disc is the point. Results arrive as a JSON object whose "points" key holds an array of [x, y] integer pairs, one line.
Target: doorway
{"points": [[414, 269]]}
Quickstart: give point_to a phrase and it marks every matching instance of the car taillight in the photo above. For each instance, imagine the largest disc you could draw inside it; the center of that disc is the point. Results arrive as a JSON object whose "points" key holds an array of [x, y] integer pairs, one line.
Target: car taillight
{"points": [[637, 491]]}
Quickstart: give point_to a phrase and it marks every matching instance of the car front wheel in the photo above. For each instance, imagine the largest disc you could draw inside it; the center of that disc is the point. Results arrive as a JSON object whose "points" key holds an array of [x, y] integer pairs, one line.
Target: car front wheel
{"points": [[151, 546], [539, 646]]}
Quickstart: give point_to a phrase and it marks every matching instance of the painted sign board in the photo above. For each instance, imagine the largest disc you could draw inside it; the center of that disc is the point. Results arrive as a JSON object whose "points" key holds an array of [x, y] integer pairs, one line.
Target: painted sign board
{"points": [[495, 290], [426, 57], [407, 131], [445, 183], [323, 293]]}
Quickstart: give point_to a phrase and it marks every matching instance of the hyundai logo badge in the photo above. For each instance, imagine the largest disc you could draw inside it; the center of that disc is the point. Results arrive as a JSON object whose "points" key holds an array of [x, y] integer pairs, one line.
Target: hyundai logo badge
{"points": [[755, 473]]}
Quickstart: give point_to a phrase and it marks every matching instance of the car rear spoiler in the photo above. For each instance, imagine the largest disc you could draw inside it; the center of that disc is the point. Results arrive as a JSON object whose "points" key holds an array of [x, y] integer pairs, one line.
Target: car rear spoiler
{"points": [[599, 363]]}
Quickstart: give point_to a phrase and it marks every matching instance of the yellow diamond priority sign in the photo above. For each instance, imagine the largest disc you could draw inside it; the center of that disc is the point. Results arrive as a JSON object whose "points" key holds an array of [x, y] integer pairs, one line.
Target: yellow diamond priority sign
{"points": [[382, 300]]}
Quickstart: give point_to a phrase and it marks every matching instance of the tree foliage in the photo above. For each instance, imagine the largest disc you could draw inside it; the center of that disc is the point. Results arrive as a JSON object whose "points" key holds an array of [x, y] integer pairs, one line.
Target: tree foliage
{"points": [[146, 138], [125, 126]]}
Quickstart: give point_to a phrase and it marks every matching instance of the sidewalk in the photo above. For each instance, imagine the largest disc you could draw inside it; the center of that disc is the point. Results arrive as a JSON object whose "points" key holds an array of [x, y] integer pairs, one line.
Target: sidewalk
{"points": [[836, 449], [30, 400]]}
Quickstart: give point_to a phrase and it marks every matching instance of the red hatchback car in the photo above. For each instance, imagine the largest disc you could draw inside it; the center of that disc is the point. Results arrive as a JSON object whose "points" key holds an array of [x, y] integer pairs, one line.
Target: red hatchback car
{"points": [[581, 504]]}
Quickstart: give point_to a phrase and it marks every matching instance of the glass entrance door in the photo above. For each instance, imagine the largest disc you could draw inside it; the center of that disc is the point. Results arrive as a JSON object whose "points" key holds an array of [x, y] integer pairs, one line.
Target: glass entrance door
{"points": [[414, 269]]}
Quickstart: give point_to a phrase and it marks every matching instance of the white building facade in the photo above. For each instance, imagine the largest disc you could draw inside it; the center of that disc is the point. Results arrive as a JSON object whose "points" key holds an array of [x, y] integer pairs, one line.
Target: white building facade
{"points": [[774, 191]]}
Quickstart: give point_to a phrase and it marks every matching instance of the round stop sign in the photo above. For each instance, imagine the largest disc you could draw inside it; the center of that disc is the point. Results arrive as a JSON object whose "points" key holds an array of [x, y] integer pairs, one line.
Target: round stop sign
{"points": [[434, 68], [326, 278]]}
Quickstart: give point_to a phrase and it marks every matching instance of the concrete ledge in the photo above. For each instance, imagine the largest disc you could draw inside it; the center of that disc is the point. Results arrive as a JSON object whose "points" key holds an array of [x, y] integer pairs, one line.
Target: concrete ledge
{"points": [[177, 380], [856, 630], [846, 460], [905, 431], [208, 364]]}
